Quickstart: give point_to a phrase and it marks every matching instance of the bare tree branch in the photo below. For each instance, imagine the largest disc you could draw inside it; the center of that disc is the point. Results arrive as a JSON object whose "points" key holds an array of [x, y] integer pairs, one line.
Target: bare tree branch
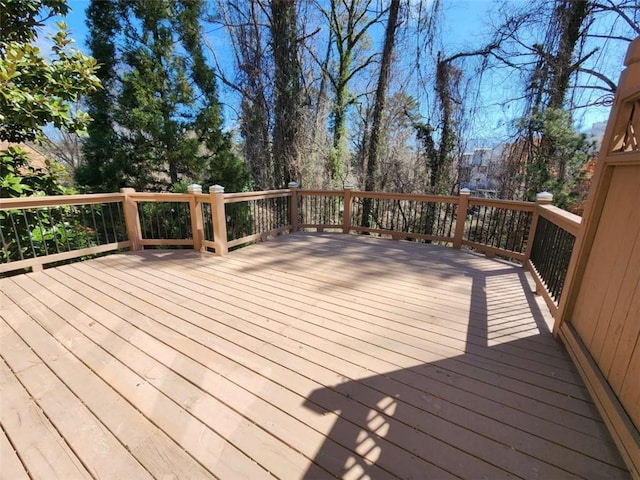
{"points": [[612, 86]]}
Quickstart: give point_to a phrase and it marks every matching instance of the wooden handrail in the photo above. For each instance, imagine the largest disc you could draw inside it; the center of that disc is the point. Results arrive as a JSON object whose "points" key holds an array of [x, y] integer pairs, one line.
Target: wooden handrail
{"points": [[458, 236], [160, 197], [565, 220], [248, 196], [509, 204], [59, 200], [405, 196], [320, 193]]}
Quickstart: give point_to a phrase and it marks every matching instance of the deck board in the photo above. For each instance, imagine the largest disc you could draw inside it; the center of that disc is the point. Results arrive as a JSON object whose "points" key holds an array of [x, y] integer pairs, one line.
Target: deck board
{"points": [[12, 466], [41, 447], [309, 356]]}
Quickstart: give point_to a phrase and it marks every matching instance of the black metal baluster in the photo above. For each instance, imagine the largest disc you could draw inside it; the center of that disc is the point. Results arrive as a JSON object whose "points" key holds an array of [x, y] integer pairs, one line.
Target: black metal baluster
{"points": [[54, 228], [42, 231], [95, 225], [5, 245], [28, 227], [17, 236], [85, 226]]}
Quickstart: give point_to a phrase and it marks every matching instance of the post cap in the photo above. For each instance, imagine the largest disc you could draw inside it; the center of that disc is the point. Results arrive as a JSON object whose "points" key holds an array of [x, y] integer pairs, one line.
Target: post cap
{"points": [[194, 188], [544, 197], [293, 185], [216, 189], [348, 185], [465, 191]]}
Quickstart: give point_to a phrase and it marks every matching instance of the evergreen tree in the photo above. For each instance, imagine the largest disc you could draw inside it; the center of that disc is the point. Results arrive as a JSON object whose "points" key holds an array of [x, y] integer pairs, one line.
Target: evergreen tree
{"points": [[159, 120], [101, 166]]}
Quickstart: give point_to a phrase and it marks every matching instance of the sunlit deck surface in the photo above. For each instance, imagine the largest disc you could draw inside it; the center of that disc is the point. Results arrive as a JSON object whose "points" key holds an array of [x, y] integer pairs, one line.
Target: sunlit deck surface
{"points": [[305, 357]]}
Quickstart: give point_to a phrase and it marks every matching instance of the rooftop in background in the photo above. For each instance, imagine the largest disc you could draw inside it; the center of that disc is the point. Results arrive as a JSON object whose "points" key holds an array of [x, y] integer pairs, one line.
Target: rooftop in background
{"points": [[37, 159]]}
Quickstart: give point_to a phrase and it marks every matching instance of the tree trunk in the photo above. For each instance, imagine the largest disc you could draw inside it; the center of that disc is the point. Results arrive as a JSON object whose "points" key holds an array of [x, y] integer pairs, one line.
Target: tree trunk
{"points": [[570, 14], [565, 28], [287, 92], [378, 109]]}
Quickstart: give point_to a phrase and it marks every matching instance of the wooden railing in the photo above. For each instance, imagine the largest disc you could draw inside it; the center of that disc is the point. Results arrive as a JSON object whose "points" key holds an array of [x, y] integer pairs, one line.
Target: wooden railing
{"points": [[39, 230], [162, 219], [495, 227], [547, 258], [36, 231], [255, 216]]}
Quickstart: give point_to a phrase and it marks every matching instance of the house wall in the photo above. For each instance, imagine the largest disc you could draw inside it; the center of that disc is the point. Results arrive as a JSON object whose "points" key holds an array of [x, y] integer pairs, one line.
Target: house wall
{"points": [[599, 317]]}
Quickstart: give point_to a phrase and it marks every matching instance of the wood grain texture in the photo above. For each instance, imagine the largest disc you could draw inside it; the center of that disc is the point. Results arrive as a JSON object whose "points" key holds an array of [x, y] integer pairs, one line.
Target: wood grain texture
{"points": [[41, 447], [12, 467], [312, 356]]}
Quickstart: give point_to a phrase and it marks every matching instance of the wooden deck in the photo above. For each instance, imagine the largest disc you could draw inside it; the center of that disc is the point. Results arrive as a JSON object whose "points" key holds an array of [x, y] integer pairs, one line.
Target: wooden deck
{"points": [[306, 357]]}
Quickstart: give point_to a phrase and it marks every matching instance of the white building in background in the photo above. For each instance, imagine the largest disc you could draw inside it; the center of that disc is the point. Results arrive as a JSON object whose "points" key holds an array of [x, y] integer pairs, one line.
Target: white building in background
{"points": [[477, 171], [596, 133]]}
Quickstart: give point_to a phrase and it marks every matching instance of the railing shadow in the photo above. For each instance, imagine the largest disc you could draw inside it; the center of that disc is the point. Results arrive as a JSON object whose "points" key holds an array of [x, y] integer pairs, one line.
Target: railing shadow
{"points": [[505, 408], [428, 421], [374, 256]]}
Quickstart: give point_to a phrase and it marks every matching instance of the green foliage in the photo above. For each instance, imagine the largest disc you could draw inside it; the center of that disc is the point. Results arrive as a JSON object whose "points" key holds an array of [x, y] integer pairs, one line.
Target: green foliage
{"points": [[439, 157], [240, 220], [225, 169], [20, 18], [559, 152], [159, 121], [104, 163], [40, 232], [160, 220], [36, 232], [18, 178], [36, 90], [288, 91]]}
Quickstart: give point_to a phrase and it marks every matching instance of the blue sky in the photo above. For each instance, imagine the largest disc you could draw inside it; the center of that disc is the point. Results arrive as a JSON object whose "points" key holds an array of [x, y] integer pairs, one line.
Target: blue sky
{"points": [[464, 26]]}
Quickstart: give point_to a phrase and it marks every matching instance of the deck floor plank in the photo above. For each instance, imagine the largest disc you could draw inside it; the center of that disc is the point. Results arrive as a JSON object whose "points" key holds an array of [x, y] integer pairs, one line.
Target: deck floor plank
{"points": [[208, 448], [111, 331], [12, 467], [126, 423], [42, 448], [410, 438], [369, 318], [416, 279], [87, 438], [526, 443], [334, 343], [306, 357]]}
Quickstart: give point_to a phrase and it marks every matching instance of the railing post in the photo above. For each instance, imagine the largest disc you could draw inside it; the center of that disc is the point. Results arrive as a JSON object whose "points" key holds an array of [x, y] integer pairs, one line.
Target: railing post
{"points": [[293, 206], [542, 198], [131, 218], [195, 209], [461, 217], [219, 219], [346, 211]]}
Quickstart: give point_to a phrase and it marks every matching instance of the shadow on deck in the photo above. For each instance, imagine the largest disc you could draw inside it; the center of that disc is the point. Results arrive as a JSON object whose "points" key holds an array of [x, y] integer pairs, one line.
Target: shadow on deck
{"points": [[461, 426], [317, 356]]}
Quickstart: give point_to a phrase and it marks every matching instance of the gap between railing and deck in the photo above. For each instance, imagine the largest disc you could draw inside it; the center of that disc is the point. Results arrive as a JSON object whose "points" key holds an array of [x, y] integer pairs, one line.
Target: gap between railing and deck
{"points": [[37, 231]]}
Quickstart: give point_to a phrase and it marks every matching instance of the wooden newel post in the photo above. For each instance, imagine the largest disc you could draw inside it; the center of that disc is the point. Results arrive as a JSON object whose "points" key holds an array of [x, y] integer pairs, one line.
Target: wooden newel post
{"points": [[131, 218], [461, 217], [219, 219], [346, 212], [195, 209], [293, 206], [542, 198]]}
